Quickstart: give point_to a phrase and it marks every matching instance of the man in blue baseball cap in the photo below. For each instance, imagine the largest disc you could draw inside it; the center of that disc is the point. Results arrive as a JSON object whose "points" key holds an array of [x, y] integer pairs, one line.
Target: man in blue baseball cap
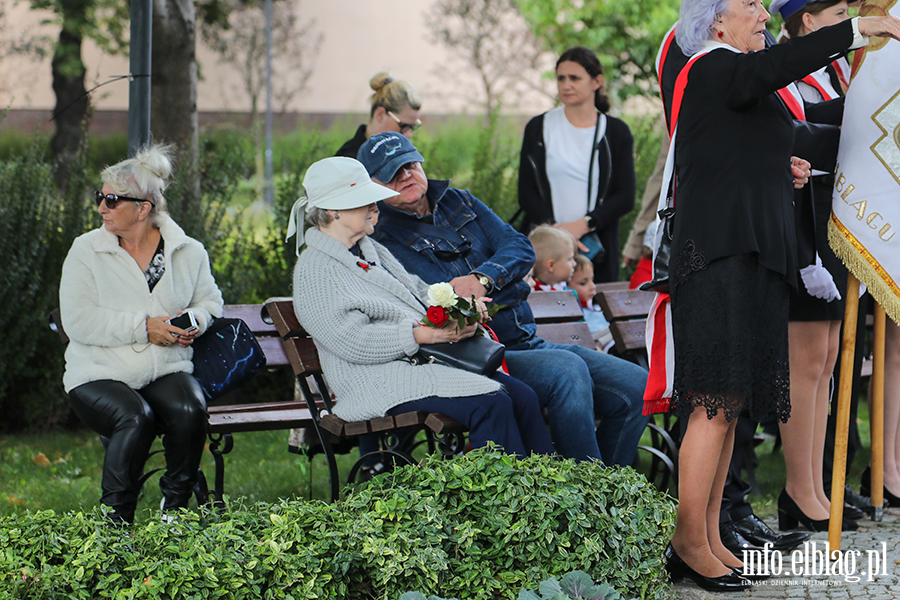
{"points": [[445, 234]]}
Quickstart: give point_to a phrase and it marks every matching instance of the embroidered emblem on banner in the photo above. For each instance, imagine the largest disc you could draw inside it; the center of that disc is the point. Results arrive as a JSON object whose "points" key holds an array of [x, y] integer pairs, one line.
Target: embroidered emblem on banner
{"points": [[887, 147]]}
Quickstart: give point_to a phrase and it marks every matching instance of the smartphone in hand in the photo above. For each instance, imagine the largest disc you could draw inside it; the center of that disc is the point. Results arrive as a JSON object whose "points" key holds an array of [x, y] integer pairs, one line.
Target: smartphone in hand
{"points": [[185, 320]]}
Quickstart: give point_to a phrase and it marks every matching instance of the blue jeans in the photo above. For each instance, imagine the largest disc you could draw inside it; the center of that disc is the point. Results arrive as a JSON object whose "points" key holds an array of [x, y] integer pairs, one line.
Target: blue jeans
{"points": [[510, 417], [578, 385]]}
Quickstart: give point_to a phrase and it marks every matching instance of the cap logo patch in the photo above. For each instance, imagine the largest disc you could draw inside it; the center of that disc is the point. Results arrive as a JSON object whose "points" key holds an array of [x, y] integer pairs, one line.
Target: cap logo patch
{"points": [[393, 150], [382, 141]]}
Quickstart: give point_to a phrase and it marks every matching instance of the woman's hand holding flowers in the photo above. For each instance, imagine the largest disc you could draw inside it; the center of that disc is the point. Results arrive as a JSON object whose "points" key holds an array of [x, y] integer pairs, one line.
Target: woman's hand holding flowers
{"points": [[449, 317]]}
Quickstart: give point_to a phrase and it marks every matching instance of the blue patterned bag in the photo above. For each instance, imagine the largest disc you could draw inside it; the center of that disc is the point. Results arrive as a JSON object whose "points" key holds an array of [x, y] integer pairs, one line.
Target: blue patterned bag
{"points": [[225, 356]]}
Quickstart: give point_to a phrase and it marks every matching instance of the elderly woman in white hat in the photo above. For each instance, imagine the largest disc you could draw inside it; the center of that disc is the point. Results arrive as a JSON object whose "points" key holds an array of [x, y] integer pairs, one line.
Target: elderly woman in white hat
{"points": [[364, 311]]}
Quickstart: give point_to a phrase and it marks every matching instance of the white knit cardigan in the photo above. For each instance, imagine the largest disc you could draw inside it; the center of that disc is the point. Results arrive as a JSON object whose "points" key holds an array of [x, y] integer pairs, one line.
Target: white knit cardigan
{"points": [[362, 323], [104, 303]]}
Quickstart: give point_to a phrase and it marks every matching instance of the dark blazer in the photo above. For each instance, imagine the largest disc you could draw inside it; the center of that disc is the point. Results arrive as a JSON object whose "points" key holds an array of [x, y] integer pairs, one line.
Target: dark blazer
{"points": [[351, 147], [733, 149], [534, 188]]}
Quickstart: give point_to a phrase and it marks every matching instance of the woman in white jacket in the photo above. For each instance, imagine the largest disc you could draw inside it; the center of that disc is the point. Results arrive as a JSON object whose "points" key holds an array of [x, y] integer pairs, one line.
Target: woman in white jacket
{"points": [[128, 371]]}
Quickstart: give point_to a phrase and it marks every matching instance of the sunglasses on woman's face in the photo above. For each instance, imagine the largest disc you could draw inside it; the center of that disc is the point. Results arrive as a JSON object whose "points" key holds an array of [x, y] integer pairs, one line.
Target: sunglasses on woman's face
{"points": [[404, 127], [112, 200]]}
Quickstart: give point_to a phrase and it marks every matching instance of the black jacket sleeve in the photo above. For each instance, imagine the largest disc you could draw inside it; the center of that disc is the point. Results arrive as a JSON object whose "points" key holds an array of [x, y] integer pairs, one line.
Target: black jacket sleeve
{"points": [[761, 73], [534, 189]]}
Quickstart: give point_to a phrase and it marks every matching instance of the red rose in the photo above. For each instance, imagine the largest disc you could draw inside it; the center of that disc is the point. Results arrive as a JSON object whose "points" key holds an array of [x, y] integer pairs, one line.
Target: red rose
{"points": [[437, 315]]}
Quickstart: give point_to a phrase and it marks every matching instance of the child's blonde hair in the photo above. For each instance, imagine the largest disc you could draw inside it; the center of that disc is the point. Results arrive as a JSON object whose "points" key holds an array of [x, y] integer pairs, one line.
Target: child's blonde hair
{"points": [[551, 243], [582, 262]]}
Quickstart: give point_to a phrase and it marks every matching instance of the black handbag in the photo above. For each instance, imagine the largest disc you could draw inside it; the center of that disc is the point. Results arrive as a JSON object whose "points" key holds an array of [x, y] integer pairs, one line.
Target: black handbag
{"points": [[660, 281], [477, 354], [226, 355]]}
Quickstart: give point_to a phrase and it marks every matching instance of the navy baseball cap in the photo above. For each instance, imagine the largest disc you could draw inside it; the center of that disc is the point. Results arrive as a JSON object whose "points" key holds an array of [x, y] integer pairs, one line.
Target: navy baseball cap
{"points": [[384, 153]]}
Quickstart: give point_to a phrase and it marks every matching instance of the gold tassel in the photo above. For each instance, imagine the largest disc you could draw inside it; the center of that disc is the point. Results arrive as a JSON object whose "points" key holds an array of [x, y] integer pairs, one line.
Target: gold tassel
{"points": [[845, 249]]}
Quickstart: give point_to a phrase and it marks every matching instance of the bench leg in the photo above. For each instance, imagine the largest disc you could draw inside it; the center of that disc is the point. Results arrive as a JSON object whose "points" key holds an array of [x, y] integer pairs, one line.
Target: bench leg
{"points": [[664, 455], [217, 496], [450, 444], [394, 448], [666, 473]]}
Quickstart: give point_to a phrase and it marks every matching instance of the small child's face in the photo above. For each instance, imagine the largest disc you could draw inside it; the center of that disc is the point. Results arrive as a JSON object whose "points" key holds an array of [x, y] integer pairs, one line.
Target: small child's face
{"points": [[561, 270], [583, 283]]}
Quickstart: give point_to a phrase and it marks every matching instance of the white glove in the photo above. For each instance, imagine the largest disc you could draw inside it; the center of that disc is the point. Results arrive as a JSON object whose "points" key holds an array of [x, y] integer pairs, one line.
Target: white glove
{"points": [[819, 282]]}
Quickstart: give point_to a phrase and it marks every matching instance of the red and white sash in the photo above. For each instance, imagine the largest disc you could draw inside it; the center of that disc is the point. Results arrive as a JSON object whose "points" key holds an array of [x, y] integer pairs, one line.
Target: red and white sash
{"points": [[660, 343]]}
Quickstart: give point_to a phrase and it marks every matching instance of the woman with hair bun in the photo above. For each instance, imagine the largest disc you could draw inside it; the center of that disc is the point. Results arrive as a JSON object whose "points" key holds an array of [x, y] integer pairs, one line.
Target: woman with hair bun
{"points": [[576, 169], [128, 371], [395, 107]]}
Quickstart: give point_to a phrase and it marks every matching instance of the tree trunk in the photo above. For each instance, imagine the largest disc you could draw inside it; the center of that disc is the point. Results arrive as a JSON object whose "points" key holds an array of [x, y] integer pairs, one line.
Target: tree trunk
{"points": [[173, 103], [71, 111]]}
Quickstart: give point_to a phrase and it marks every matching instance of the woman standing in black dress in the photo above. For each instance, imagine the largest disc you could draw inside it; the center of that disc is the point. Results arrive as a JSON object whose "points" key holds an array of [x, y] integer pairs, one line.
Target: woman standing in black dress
{"points": [[733, 250]]}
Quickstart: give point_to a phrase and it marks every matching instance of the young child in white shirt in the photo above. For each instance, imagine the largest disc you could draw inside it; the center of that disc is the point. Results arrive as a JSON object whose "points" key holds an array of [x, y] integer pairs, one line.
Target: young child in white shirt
{"points": [[582, 282]]}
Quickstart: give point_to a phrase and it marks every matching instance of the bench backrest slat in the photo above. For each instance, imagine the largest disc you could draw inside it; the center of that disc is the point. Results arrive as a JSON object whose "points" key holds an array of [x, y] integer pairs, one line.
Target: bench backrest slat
{"points": [[577, 333], [274, 351], [630, 336], [555, 306], [281, 311], [302, 355], [625, 304], [252, 315]]}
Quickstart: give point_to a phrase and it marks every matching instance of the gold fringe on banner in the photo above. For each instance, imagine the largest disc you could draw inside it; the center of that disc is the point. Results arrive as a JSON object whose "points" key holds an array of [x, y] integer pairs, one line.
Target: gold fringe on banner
{"points": [[865, 268]]}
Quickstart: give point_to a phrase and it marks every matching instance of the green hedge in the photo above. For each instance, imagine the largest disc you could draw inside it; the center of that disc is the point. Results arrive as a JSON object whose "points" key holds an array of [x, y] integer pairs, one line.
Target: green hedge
{"points": [[477, 527]]}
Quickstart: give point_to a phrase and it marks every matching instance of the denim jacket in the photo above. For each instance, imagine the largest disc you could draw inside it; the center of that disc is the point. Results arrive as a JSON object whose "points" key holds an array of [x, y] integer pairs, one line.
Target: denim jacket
{"points": [[490, 247]]}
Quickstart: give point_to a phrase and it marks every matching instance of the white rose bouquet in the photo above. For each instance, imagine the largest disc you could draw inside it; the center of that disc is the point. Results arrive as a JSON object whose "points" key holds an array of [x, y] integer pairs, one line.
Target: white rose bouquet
{"points": [[445, 305]]}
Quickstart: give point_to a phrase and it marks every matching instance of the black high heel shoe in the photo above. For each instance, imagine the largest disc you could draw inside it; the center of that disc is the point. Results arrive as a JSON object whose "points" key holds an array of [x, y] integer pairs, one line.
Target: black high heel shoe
{"points": [[677, 568], [865, 488], [790, 515]]}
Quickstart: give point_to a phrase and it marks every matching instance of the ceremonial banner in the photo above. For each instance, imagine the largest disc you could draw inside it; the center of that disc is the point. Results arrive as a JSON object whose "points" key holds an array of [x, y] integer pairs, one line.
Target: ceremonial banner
{"points": [[865, 214]]}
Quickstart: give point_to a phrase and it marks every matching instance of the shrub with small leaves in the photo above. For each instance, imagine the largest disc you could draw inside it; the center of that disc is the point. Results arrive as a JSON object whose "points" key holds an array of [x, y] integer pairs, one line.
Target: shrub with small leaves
{"points": [[477, 527]]}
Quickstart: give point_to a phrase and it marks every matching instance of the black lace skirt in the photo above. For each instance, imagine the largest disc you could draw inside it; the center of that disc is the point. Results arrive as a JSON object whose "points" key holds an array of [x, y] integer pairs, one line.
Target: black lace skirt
{"points": [[730, 328]]}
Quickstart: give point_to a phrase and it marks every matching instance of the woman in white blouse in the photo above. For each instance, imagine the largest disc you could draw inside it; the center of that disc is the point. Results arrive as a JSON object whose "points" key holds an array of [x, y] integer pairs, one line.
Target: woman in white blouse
{"points": [[576, 169]]}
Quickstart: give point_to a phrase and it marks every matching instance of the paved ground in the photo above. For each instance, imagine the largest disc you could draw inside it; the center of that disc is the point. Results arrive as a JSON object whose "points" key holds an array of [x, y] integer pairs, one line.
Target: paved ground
{"points": [[883, 537]]}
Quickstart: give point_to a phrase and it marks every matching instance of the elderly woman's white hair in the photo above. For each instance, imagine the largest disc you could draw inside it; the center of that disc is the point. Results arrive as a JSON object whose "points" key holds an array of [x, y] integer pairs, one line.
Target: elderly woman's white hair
{"points": [[145, 175], [695, 23]]}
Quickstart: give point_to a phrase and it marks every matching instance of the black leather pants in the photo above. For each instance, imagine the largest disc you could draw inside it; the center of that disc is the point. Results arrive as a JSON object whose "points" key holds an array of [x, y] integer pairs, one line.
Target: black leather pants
{"points": [[172, 405]]}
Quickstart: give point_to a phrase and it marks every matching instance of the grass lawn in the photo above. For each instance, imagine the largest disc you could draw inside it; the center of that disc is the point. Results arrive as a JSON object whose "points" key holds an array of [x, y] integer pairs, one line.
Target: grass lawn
{"points": [[62, 470]]}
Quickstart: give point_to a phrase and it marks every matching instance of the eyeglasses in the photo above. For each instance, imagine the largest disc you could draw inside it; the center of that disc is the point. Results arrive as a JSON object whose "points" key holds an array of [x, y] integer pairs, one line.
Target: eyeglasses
{"points": [[404, 172], [404, 127], [112, 200]]}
